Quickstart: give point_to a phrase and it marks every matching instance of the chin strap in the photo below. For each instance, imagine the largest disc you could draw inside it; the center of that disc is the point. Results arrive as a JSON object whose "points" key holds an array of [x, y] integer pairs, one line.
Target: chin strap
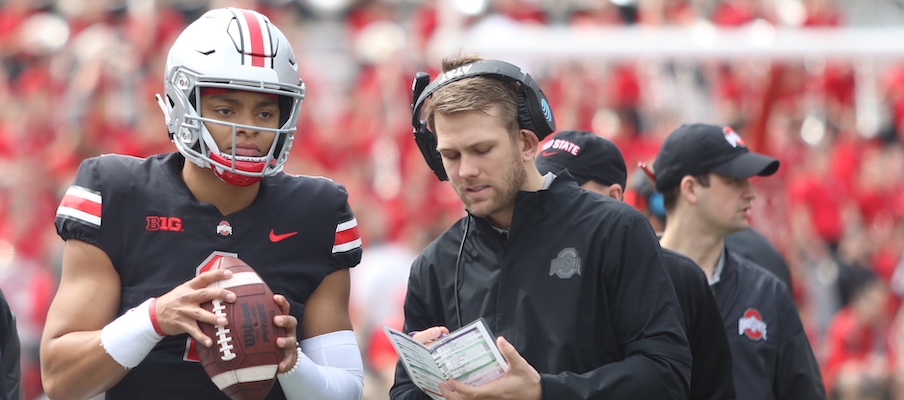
{"points": [[245, 165]]}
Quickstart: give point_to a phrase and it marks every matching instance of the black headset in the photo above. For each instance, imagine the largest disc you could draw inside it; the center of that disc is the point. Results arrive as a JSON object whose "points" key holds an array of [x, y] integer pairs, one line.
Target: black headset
{"points": [[534, 113]]}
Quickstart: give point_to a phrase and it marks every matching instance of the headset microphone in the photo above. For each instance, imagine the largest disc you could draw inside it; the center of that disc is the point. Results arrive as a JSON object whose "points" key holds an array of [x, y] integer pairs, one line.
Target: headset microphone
{"points": [[421, 80]]}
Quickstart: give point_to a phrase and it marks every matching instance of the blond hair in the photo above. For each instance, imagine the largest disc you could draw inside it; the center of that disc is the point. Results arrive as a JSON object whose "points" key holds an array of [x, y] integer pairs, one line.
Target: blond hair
{"points": [[478, 93]]}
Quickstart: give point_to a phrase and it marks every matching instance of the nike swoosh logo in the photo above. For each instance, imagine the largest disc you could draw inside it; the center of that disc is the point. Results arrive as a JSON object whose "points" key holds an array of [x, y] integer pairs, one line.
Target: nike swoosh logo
{"points": [[276, 238], [548, 153]]}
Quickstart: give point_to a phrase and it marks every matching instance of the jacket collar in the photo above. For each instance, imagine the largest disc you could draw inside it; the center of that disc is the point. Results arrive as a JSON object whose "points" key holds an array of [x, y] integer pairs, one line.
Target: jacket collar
{"points": [[537, 204]]}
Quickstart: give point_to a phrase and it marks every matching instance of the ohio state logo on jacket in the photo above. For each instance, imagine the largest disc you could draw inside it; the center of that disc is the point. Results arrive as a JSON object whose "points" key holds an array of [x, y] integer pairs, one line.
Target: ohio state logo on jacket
{"points": [[752, 325]]}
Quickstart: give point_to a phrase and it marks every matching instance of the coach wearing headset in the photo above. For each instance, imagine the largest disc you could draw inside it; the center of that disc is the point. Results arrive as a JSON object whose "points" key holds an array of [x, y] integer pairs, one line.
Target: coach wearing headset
{"points": [[572, 282]]}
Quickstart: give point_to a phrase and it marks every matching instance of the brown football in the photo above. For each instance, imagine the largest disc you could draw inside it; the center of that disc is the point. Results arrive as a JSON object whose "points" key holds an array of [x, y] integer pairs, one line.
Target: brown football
{"points": [[243, 359]]}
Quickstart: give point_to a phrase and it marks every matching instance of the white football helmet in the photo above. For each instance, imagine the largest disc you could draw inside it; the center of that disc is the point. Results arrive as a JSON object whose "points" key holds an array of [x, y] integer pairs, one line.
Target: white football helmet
{"points": [[230, 48]]}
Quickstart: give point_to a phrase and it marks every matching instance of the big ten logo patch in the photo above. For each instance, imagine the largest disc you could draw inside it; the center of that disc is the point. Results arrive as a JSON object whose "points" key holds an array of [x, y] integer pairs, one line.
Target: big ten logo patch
{"points": [[171, 224]]}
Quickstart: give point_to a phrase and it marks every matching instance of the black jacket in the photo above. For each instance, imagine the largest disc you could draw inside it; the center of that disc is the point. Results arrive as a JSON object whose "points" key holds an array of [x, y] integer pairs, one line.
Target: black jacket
{"points": [[10, 385], [772, 356], [579, 288], [711, 376], [753, 246]]}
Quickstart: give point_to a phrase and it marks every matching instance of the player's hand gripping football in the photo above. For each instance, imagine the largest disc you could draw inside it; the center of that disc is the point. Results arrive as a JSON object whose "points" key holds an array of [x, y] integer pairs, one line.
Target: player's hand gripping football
{"points": [[521, 381], [289, 341], [179, 310]]}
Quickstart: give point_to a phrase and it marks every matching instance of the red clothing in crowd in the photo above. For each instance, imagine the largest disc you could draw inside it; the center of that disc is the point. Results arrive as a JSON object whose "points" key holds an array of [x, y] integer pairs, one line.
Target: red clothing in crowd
{"points": [[847, 340], [820, 200]]}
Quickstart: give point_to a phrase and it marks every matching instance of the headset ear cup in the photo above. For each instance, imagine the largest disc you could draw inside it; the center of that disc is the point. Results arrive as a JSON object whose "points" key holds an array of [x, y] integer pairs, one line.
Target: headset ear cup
{"points": [[436, 160], [657, 205], [524, 114], [532, 116], [426, 143]]}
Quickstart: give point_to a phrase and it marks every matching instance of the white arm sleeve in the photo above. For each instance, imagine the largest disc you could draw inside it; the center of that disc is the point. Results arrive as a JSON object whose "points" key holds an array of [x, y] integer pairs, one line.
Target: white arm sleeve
{"points": [[329, 366]]}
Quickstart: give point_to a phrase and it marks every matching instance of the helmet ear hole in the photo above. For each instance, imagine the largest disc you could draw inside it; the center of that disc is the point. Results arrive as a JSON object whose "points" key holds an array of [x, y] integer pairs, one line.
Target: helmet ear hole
{"points": [[285, 109]]}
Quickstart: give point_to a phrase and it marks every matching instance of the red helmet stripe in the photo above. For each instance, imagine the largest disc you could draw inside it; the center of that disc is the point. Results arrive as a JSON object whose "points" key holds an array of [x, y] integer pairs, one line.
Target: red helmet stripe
{"points": [[256, 38]]}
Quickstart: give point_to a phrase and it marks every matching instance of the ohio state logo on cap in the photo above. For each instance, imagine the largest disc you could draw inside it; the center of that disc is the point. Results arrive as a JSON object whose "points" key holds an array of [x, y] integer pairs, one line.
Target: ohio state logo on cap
{"points": [[752, 325], [732, 137]]}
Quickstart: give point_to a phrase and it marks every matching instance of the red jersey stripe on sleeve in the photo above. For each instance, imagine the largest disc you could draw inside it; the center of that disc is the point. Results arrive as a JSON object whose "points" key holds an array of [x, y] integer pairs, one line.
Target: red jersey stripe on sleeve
{"points": [[347, 237], [81, 204]]}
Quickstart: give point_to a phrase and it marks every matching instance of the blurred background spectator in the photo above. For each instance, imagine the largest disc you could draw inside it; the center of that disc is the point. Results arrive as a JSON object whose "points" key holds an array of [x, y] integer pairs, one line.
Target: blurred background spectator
{"points": [[78, 79]]}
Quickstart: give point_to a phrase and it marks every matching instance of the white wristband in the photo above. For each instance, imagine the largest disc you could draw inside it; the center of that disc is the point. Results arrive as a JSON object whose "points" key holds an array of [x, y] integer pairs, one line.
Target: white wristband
{"points": [[129, 338]]}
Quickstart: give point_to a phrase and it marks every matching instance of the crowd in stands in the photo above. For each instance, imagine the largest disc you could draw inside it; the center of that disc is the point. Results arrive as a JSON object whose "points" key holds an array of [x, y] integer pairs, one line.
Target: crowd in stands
{"points": [[78, 79]]}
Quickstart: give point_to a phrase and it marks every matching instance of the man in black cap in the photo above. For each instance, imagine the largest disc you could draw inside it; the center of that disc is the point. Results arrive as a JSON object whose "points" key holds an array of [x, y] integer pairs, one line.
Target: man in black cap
{"points": [[597, 165], [601, 168], [703, 173], [749, 243]]}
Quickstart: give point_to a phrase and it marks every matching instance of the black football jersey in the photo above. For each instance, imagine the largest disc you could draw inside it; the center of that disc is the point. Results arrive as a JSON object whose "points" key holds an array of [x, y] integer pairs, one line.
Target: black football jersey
{"points": [[141, 213]]}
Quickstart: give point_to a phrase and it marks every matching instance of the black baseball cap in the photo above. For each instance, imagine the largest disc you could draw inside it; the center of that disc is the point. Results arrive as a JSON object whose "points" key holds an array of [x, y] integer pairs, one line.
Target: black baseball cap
{"points": [[698, 149], [585, 155]]}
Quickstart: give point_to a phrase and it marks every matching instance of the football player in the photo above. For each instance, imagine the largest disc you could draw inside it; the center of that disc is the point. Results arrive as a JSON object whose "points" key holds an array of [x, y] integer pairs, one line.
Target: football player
{"points": [[142, 234]]}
